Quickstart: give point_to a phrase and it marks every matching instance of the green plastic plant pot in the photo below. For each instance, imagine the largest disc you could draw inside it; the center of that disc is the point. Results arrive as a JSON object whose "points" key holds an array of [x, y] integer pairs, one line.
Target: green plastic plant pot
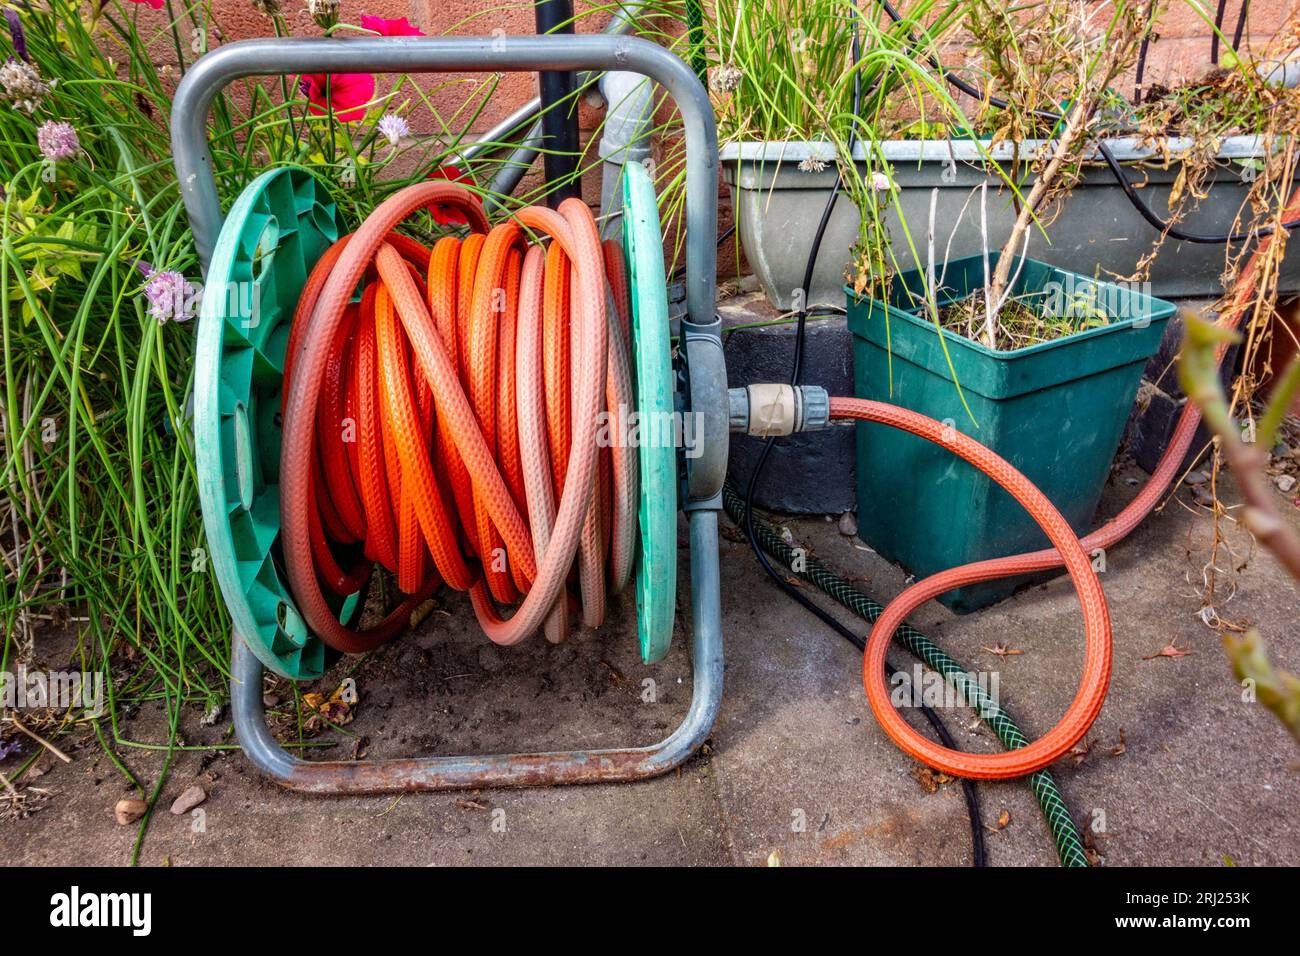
{"points": [[277, 229], [1055, 410], [656, 573]]}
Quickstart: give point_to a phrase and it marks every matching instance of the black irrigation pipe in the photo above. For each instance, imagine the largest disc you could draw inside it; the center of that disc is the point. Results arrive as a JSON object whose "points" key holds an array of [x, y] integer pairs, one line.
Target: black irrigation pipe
{"points": [[1218, 28], [1242, 14], [1069, 845], [1142, 54], [1161, 225]]}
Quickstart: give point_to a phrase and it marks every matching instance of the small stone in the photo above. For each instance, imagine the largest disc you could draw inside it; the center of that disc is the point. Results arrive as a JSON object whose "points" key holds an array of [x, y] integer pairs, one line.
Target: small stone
{"points": [[187, 801], [1202, 497], [749, 283], [490, 659], [128, 810], [848, 524], [1196, 478], [1284, 482]]}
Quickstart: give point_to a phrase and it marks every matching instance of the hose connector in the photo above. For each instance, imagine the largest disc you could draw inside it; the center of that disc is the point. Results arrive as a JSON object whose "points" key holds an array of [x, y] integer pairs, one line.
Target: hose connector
{"points": [[767, 410]]}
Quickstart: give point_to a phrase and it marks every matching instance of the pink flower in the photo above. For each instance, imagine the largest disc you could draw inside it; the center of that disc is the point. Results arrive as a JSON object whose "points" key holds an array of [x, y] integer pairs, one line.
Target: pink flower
{"points": [[449, 215], [57, 141], [390, 28], [348, 93], [156, 4], [168, 295]]}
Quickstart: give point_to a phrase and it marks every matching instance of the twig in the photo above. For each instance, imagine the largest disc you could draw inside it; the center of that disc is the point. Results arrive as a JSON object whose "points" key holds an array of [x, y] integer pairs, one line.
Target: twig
{"points": [[932, 294], [40, 740], [1075, 124], [990, 331], [1198, 376], [1120, 42]]}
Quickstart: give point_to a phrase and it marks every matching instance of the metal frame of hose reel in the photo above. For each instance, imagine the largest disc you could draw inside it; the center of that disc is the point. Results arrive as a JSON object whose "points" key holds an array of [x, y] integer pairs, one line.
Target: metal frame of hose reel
{"points": [[704, 382]]}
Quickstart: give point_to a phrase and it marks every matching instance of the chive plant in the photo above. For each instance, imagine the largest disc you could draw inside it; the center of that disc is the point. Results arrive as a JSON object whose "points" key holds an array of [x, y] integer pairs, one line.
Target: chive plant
{"points": [[100, 527]]}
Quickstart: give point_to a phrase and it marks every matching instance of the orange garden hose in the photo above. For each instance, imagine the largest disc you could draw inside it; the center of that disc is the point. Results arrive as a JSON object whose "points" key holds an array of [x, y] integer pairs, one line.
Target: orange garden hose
{"points": [[445, 423], [1068, 551]]}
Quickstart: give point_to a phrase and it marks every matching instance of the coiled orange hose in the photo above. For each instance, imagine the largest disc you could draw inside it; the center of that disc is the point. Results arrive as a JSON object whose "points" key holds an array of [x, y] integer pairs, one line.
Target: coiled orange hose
{"points": [[449, 422]]}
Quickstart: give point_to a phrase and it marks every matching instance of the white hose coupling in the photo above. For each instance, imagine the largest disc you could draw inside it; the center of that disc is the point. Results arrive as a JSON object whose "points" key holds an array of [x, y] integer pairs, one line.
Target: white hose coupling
{"points": [[767, 410]]}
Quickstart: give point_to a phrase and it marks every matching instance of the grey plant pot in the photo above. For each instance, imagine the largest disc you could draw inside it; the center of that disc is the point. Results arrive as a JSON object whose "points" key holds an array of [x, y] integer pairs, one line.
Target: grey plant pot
{"points": [[1096, 231]]}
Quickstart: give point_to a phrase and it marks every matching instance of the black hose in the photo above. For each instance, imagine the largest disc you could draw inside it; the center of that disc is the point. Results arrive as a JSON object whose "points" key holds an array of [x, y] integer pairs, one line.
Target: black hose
{"points": [[1161, 225], [695, 37], [1218, 28], [1242, 14], [1142, 54], [978, 857]]}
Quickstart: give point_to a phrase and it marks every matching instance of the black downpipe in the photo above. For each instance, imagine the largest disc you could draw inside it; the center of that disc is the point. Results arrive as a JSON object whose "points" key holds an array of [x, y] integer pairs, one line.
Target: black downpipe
{"points": [[559, 110]]}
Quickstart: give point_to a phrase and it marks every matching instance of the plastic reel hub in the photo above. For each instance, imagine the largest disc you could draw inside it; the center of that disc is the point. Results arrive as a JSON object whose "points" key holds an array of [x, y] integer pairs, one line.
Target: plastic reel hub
{"points": [[277, 229], [656, 575]]}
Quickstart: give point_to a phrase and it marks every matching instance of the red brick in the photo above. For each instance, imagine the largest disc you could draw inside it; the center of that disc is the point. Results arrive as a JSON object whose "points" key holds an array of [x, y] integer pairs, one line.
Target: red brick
{"points": [[1180, 18]]}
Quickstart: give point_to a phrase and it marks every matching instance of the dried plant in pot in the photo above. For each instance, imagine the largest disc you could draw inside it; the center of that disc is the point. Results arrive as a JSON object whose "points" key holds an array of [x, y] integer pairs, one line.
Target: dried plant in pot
{"points": [[1038, 362], [1196, 155]]}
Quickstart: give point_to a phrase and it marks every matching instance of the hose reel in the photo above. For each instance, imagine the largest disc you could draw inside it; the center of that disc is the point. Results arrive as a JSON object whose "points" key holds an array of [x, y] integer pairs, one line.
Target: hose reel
{"points": [[275, 234]]}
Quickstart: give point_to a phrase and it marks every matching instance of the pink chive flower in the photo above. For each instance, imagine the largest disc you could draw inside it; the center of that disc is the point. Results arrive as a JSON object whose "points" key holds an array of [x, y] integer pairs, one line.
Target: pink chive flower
{"points": [[155, 4], [880, 183], [166, 293], [390, 28], [394, 128], [348, 93], [57, 141]]}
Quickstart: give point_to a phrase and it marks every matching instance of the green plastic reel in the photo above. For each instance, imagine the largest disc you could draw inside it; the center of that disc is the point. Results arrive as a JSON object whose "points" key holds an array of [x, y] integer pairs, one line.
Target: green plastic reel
{"points": [[656, 573], [277, 229]]}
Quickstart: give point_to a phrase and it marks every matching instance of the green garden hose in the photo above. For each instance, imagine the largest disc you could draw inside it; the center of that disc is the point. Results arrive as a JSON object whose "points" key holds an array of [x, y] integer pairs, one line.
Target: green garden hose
{"points": [[695, 36], [1069, 846]]}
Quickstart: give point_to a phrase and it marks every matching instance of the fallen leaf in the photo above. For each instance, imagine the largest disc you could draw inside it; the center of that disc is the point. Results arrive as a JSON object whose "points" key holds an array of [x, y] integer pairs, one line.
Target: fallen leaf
{"points": [[1004, 820], [1122, 747], [1002, 650], [1081, 750], [334, 710], [774, 858], [422, 611], [471, 805], [1169, 650], [616, 676], [929, 778]]}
